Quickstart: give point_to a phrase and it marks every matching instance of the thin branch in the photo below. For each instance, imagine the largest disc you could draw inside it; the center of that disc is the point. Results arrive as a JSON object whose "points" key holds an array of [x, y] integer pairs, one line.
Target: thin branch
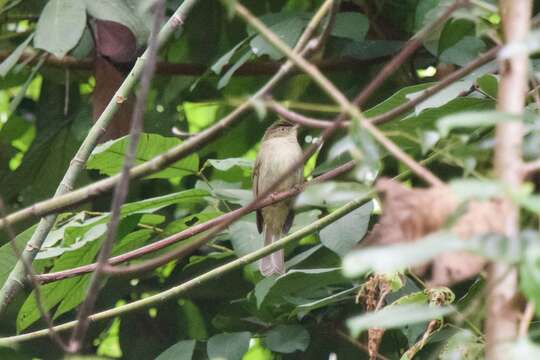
{"points": [[526, 319], [194, 230], [14, 281], [531, 167], [176, 291], [253, 68], [122, 187], [503, 313], [30, 274]]}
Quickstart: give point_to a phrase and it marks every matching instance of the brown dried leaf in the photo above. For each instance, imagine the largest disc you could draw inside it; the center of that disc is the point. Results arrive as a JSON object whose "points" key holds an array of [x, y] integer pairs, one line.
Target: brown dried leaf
{"points": [[115, 41], [410, 214], [372, 294]]}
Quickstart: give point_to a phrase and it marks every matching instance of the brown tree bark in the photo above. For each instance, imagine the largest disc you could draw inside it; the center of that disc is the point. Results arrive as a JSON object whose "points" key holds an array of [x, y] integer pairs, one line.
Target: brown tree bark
{"points": [[503, 309]]}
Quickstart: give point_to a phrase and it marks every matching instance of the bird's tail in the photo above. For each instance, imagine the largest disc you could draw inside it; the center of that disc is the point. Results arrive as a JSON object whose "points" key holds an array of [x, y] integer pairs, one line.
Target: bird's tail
{"points": [[275, 262]]}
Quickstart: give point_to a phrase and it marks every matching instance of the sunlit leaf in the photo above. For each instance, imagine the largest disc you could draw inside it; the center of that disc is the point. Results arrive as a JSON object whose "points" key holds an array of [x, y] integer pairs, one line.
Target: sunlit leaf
{"points": [[108, 158]]}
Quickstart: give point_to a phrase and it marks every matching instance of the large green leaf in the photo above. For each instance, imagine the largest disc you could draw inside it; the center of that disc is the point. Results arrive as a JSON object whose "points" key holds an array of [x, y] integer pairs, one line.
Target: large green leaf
{"points": [[182, 350], [351, 25], [342, 235], [109, 157], [60, 26], [124, 12], [228, 346], [297, 286], [287, 339]]}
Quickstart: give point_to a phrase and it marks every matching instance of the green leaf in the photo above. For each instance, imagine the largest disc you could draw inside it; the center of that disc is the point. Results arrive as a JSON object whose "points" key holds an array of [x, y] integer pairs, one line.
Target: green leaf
{"points": [[467, 189], [123, 12], [341, 296], [182, 350], [200, 114], [466, 50], [108, 158], [401, 256], [288, 31], [8, 259], [473, 120], [296, 284], [396, 316], [228, 346], [351, 25], [72, 290], [60, 26], [287, 339], [331, 194], [463, 345], [342, 235], [15, 55]]}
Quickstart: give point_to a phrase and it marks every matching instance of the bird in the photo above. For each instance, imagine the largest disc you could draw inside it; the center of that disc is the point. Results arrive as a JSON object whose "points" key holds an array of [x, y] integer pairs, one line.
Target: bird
{"points": [[279, 151]]}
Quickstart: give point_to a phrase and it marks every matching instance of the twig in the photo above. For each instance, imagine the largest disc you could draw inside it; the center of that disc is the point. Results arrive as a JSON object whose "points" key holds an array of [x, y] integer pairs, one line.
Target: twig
{"points": [[176, 291], [13, 283], [30, 274], [531, 167], [194, 230], [503, 314], [254, 68], [122, 187], [526, 319]]}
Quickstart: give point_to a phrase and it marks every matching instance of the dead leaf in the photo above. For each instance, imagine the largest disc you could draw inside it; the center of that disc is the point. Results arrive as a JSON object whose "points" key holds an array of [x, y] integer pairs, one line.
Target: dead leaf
{"points": [[410, 214]]}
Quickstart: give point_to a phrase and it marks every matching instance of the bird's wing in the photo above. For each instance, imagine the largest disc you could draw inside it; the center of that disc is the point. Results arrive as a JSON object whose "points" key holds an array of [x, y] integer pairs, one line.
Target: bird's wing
{"points": [[255, 181]]}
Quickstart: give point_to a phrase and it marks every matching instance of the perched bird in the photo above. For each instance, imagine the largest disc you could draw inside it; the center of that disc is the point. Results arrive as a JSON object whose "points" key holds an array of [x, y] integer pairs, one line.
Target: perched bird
{"points": [[278, 153]]}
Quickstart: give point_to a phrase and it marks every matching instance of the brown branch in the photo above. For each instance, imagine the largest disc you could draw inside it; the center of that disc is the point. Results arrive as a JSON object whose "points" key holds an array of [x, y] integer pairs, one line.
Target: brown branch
{"points": [[194, 230], [122, 187], [502, 310], [254, 68]]}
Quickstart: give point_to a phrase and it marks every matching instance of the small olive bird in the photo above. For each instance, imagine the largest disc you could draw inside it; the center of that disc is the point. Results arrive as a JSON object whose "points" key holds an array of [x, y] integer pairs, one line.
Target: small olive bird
{"points": [[279, 152]]}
